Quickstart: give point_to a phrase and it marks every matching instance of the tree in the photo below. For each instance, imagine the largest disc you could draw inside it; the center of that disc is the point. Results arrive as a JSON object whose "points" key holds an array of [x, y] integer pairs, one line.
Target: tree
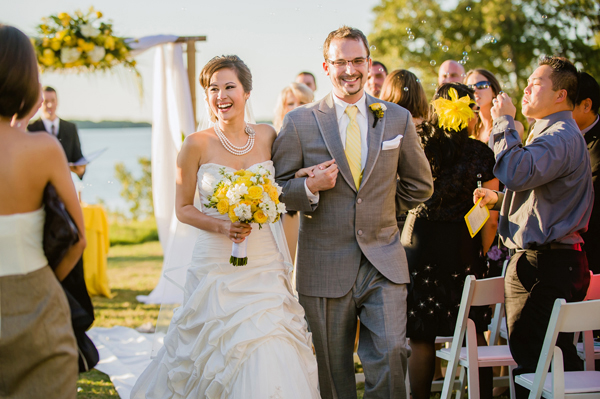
{"points": [[137, 192], [504, 36]]}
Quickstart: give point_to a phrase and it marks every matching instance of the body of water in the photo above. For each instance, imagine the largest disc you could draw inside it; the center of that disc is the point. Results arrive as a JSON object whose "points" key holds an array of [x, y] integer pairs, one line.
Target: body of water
{"points": [[124, 145]]}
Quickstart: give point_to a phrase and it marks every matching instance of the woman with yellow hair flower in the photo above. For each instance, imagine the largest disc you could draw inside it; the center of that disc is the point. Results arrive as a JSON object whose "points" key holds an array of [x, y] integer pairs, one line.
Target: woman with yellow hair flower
{"points": [[439, 248]]}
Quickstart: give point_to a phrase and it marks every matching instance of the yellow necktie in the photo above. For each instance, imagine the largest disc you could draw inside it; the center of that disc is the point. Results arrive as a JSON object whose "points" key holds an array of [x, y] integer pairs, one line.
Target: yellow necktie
{"points": [[353, 146]]}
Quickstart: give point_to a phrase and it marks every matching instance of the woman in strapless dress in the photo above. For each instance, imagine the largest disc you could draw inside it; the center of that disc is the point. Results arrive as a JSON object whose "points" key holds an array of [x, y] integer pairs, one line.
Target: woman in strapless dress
{"points": [[240, 332], [38, 352]]}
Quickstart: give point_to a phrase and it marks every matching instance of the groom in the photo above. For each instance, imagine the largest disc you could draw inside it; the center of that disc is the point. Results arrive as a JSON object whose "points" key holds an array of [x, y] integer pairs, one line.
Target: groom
{"points": [[350, 261]]}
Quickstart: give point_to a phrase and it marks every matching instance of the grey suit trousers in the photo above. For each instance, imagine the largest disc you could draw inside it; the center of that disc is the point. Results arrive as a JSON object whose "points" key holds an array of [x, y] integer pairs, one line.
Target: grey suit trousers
{"points": [[383, 351]]}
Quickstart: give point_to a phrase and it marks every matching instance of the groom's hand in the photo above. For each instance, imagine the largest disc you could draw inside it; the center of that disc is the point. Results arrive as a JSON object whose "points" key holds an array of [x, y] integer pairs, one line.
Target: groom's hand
{"points": [[323, 179]]}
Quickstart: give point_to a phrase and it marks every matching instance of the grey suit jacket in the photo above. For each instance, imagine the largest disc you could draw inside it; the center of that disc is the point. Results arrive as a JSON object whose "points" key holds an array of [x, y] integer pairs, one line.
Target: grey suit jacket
{"points": [[348, 221]]}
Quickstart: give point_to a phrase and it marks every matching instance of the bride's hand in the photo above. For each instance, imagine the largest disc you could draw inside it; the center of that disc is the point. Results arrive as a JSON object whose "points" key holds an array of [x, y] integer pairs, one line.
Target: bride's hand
{"points": [[308, 172], [238, 231]]}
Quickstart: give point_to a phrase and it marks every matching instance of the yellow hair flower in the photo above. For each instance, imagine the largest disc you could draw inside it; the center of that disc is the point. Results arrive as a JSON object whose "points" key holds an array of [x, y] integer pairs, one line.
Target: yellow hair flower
{"points": [[454, 114]]}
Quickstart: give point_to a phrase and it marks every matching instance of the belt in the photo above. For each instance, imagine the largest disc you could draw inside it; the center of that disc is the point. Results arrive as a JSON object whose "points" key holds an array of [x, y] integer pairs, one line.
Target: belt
{"points": [[555, 245]]}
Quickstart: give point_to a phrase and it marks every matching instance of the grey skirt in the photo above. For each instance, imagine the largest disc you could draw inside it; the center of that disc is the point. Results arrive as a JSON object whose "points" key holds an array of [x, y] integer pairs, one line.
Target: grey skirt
{"points": [[38, 351]]}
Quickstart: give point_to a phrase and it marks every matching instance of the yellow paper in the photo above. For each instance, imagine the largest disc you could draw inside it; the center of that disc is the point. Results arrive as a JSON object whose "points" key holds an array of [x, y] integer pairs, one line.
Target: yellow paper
{"points": [[476, 218]]}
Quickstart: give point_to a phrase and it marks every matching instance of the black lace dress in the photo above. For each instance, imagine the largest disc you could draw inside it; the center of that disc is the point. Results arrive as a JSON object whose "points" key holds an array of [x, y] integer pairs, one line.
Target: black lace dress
{"points": [[439, 249]]}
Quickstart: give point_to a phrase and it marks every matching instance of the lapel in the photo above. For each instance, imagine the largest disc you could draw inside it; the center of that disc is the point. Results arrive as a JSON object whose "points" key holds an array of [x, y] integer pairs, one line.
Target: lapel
{"points": [[327, 121], [374, 137]]}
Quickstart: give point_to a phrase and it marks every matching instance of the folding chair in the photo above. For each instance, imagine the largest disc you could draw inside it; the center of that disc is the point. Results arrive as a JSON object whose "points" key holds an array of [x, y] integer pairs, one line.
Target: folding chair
{"points": [[566, 317], [475, 293]]}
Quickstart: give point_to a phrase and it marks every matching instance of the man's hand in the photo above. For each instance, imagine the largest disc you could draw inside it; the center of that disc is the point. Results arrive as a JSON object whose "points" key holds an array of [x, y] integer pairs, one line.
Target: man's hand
{"points": [[503, 106], [79, 170], [322, 179], [309, 172], [489, 197]]}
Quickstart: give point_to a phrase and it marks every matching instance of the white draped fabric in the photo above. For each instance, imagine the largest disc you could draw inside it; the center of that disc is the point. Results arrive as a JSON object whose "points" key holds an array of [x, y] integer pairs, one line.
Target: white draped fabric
{"points": [[173, 119]]}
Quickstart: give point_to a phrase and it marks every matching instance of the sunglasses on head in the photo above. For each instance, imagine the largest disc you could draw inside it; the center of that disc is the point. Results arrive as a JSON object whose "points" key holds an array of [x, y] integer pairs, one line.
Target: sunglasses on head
{"points": [[484, 84]]}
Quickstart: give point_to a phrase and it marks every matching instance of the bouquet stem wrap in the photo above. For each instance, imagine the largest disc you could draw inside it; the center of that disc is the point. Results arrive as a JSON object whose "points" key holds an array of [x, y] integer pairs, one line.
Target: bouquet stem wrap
{"points": [[239, 253]]}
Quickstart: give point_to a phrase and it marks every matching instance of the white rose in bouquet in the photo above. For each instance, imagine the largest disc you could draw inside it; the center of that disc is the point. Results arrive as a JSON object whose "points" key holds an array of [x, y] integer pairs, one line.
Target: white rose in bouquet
{"points": [[69, 54], [88, 30], [97, 54]]}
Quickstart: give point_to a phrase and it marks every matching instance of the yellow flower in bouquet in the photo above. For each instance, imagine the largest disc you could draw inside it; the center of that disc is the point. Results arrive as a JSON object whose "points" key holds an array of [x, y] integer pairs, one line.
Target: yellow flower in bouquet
{"points": [[82, 42], [223, 206], [249, 197]]}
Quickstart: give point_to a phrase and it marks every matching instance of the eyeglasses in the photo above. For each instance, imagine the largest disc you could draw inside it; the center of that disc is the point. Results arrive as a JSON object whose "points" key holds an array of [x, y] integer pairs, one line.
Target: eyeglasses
{"points": [[357, 62], [484, 84]]}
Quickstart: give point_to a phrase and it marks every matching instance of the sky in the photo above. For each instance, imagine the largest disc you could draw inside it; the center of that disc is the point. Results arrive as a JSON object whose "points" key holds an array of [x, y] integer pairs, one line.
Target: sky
{"points": [[277, 39]]}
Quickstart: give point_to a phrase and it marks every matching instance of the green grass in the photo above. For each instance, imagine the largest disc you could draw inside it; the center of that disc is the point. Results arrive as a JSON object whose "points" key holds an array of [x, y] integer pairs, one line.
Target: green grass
{"points": [[132, 232]]}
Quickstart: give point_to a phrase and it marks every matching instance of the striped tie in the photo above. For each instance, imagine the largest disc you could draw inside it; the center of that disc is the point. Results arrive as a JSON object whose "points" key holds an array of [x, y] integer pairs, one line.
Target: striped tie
{"points": [[353, 147]]}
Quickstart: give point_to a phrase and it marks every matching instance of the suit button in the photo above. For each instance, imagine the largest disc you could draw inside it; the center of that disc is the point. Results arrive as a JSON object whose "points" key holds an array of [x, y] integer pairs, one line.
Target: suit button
{"points": [[359, 201], [359, 232]]}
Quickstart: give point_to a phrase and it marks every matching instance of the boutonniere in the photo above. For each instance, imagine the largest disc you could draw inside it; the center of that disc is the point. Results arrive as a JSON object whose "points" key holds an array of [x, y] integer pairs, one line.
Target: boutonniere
{"points": [[378, 110]]}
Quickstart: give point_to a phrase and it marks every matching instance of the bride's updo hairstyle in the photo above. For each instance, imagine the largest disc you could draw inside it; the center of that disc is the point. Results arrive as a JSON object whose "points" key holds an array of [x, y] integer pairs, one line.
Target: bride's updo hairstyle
{"points": [[19, 82], [232, 62], [443, 146]]}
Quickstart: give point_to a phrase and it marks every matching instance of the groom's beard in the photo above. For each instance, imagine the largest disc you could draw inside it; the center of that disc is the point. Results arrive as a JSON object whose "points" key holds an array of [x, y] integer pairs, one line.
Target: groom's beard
{"points": [[349, 91]]}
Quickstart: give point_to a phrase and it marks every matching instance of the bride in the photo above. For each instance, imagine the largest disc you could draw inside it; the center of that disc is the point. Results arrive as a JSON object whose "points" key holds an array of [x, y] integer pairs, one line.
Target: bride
{"points": [[240, 332]]}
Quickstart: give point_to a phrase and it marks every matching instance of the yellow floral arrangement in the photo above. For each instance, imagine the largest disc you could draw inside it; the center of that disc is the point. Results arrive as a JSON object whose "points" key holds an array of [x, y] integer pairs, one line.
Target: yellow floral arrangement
{"points": [[378, 110], [249, 197], [80, 42], [454, 114]]}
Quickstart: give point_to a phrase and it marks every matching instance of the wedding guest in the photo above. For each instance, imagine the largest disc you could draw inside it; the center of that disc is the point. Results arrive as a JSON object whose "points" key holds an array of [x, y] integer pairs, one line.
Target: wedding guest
{"points": [[403, 88], [65, 132], [450, 71], [291, 97], [586, 117], [439, 248], [486, 88], [549, 177], [308, 79], [375, 78], [38, 351]]}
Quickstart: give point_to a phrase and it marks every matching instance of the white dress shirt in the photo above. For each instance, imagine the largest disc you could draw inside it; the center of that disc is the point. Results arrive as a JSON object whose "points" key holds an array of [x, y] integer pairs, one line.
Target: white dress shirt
{"points": [[587, 129], [343, 120], [48, 125]]}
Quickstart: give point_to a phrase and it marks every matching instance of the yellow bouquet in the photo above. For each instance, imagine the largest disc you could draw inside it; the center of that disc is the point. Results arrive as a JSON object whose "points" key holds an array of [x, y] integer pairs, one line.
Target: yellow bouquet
{"points": [[80, 42], [248, 197]]}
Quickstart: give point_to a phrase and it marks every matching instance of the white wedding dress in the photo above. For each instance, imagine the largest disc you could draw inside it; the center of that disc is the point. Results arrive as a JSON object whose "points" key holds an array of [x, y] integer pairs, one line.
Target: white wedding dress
{"points": [[240, 332]]}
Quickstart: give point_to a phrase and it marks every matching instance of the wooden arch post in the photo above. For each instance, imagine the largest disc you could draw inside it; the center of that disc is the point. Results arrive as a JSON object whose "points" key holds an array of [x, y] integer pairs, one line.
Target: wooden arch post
{"points": [[190, 42]]}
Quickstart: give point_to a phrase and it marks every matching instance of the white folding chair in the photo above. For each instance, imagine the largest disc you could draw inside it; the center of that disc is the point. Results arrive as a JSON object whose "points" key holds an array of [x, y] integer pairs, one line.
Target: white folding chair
{"points": [[566, 317], [482, 292]]}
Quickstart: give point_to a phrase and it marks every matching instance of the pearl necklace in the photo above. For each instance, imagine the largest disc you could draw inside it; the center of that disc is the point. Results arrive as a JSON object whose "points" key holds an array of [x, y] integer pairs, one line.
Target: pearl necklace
{"points": [[235, 150]]}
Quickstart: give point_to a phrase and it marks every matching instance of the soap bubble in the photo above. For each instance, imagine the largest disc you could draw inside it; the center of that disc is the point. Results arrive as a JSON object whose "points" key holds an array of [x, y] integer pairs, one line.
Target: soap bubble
{"points": [[405, 88], [373, 48], [408, 30], [466, 58], [432, 62], [468, 8], [544, 17], [439, 44], [465, 53], [509, 60], [411, 36], [418, 80], [445, 48], [423, 21]]}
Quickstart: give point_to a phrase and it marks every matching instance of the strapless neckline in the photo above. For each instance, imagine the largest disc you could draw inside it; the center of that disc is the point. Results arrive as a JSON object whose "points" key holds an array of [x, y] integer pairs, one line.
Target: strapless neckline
{"points": [[229, 167]]}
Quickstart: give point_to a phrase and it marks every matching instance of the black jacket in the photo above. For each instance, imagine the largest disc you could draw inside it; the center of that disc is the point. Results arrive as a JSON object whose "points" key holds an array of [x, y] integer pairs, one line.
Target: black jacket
{"points": [[67, 135], [592, 236]]}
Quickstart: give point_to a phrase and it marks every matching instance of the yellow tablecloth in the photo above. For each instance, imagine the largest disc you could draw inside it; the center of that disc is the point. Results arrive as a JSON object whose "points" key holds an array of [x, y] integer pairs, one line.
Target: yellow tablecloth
{"points": [[94, 256]]}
